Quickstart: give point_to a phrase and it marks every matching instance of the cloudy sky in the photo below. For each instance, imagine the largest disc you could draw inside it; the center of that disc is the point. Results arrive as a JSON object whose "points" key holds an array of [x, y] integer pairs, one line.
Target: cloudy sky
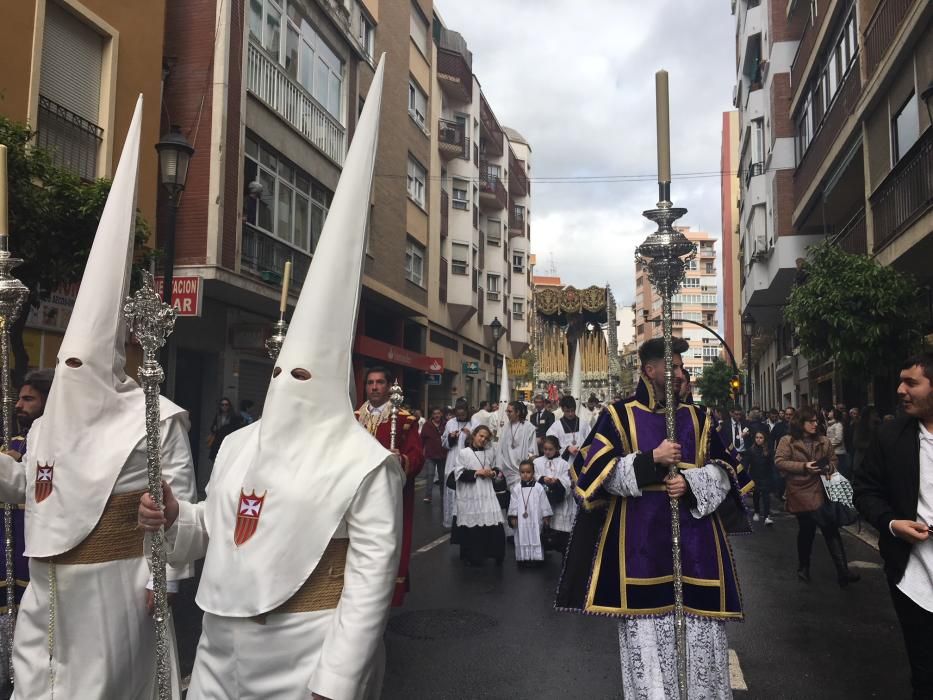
{"points": [[576, 78]]}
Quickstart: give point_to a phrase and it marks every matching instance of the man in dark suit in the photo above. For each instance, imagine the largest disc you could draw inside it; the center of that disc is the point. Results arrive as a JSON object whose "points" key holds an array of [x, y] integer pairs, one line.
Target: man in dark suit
{"points": [[541, 419], [733, 431], [780, 429], [894, 492]]}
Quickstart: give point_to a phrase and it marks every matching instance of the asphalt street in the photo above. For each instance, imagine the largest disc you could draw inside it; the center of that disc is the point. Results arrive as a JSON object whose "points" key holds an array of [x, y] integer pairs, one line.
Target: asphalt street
{"points": [[493, 633]]}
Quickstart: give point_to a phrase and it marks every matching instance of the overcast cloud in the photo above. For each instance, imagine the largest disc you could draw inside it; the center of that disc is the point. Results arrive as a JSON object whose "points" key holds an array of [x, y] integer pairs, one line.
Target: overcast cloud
{"points": [[576, 78]]}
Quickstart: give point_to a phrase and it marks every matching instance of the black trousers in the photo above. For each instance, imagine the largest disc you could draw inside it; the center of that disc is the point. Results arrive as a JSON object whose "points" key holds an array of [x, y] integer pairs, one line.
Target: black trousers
{"points": [[807, 532], [917, 628]]}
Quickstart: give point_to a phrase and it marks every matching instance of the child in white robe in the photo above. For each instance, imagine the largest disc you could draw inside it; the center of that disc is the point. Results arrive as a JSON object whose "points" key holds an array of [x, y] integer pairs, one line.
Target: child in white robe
{"points": [[479, 529], [553, 473], [529, 513]]}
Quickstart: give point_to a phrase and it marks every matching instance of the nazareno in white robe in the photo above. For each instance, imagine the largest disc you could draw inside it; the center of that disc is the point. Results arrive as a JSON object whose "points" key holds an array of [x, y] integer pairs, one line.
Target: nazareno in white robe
{"points": [[104, 636], [530, 500], [450, 463], [290, 655], [647, 644], [564, 511]]}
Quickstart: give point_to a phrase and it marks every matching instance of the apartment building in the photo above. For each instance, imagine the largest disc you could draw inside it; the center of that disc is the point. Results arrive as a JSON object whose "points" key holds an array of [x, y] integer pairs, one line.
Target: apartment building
{"points": [[696, 303], [835, 143], [480, 229], [72, 72], [729, 188]]}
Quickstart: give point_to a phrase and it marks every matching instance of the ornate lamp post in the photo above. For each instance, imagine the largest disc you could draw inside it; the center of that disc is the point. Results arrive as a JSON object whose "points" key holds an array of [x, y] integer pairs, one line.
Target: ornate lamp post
{"points": [[496, 327], [748, 330], [175, 155], [665, 254]]}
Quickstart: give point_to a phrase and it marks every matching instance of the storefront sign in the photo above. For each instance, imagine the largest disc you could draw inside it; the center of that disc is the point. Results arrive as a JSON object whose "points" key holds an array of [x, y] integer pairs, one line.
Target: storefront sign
{"points": [[432, 379], [471, 367], [186, 294], [53, 313], [250, 336], [395, 355]]}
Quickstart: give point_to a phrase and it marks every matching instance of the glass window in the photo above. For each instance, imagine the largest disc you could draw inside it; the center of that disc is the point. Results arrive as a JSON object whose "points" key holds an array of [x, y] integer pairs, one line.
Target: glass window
{"points": [[291, 51], [417, 103], [459, 258], [461, 195], [494, 232], [272, 38], [306, 65], [518, 308], [266, 201], [414, 263], [284, 212], [302, 222], [905, 128], [416, 181], [419, 30], [518, 261], [367, 35], [255, 18], [492, 286], [318, 214]]}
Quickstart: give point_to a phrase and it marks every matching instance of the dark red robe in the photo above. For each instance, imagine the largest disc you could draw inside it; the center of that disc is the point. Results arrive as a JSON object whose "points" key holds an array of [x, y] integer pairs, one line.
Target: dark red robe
{"points": [[408, 443]]}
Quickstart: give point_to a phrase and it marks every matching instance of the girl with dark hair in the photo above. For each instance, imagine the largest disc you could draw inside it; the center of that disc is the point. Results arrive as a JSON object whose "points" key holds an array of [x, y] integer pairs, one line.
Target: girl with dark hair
{"points": [[479, 514], [761, 469], [553, 472], [517, 441], [225, 422], [802, 457]]}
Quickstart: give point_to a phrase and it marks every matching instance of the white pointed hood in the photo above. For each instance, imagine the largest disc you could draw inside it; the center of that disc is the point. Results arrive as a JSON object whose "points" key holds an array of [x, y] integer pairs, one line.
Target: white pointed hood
{"points": [[95, 414], [307, 456], [576, 385], [505, 394]]}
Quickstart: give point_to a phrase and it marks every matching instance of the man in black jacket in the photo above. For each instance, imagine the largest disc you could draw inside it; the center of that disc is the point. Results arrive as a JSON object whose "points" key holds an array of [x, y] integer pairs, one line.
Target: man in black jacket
{"points": [[541, 419], [894, 492]]}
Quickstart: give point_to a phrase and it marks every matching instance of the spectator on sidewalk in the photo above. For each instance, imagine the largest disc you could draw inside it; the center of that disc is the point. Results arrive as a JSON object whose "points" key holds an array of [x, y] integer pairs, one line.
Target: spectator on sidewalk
{"points": [[849, 433], [760, 463], [803, 456], [779, 431], [865, 432], [835, 431], [435, 452], [894, 492]]}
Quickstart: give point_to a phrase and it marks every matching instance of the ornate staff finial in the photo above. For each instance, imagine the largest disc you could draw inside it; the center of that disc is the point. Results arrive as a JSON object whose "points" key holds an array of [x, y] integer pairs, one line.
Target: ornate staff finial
{"points": [[396, 397], [151, 320]]}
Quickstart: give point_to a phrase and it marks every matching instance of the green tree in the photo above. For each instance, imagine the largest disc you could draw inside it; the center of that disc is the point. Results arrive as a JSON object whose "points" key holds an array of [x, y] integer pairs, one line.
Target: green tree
{"points": [[53, 218], [851, 310], [714, 384]]}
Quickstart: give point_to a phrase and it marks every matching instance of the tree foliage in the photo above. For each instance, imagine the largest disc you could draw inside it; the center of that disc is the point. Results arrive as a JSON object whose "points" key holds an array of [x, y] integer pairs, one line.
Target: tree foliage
{"points": [[853, 311], [714, 384], [53, 218]]}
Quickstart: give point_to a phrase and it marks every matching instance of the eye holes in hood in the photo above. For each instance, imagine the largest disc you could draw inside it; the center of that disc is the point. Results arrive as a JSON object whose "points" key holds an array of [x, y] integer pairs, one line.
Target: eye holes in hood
{"points": [[276, 372], [73, 362], [299, 373]]}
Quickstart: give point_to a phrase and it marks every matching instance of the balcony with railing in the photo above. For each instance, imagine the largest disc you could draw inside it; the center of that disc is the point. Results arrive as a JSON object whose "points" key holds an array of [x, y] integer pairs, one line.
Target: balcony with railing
{"points": [[518, 180], [905, 194], [492, 192], [827, 132], [807, 41], [264, 256], [853, 236], [454, 71], [516, 221], [72, 141], [445, 213], [452, 141], [269, 82], [882, 28], [491, 132]]}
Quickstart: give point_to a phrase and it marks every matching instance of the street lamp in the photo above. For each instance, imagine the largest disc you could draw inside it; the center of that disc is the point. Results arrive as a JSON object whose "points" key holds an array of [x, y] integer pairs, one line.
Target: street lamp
{"points": [[748, 330], [174, 157], [496, 327]]}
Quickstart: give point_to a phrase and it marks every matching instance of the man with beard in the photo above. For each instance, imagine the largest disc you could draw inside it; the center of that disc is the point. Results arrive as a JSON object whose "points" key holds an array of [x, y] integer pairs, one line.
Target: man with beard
{"points": [[894, 492], [618, 562], [29, 407], [376, 416]]}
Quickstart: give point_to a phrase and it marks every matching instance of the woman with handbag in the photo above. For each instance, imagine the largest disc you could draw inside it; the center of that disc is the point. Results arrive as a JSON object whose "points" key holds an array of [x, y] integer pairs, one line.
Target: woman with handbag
{"points": [[479, 512], [803, 457]]}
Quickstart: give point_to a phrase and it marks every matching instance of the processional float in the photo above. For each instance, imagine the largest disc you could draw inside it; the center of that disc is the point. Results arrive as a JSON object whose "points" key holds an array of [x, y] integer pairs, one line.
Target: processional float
{"points": [[665, 254]]}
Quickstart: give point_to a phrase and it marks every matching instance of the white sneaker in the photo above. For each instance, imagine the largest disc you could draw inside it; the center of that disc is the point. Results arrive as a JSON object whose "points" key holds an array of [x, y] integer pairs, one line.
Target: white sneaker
{"points": [[755, 518], [769, 521]]}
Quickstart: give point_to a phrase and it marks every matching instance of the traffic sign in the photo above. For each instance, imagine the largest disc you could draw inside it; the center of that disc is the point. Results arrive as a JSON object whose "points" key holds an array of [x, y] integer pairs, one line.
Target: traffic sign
{"points": [[432, 379]]}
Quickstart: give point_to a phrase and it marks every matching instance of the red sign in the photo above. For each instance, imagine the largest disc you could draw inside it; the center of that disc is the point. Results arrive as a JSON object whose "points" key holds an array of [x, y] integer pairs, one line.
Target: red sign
{"points": [[397, 356], [186, 294]]}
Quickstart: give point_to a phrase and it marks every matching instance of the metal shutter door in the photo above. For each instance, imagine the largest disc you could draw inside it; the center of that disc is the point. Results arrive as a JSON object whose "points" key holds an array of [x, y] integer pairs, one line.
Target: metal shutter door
{"points": [[72, 54], [253, 383]]}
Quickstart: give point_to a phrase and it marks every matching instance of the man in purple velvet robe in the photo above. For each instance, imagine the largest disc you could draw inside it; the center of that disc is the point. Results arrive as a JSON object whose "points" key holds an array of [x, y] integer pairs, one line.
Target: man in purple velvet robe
{"points": [[618, 562]]}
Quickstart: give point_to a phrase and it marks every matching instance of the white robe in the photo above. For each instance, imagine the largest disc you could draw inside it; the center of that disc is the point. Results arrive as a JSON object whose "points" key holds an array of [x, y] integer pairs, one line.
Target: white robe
{"points": [[566, 439], [450, 463], [531, 502], [565, 510], [104, 636], [517, 442], [288, 656], [647, 644], [477, 505]]}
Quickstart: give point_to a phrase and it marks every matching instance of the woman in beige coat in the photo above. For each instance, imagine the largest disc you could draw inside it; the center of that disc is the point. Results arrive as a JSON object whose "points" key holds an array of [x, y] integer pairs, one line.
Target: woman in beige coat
{"points": [[801, 457]]}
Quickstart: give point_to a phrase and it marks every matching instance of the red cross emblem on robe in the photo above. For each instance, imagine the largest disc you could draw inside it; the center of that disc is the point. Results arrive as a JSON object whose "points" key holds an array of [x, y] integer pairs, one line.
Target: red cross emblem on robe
{"points": [[247, 516], [43, 482]]}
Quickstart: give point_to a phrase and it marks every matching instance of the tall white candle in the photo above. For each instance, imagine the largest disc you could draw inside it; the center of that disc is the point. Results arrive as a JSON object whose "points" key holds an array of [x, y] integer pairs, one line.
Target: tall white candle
{"points": [[4, 194], [286, 279], [664, 126]]}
